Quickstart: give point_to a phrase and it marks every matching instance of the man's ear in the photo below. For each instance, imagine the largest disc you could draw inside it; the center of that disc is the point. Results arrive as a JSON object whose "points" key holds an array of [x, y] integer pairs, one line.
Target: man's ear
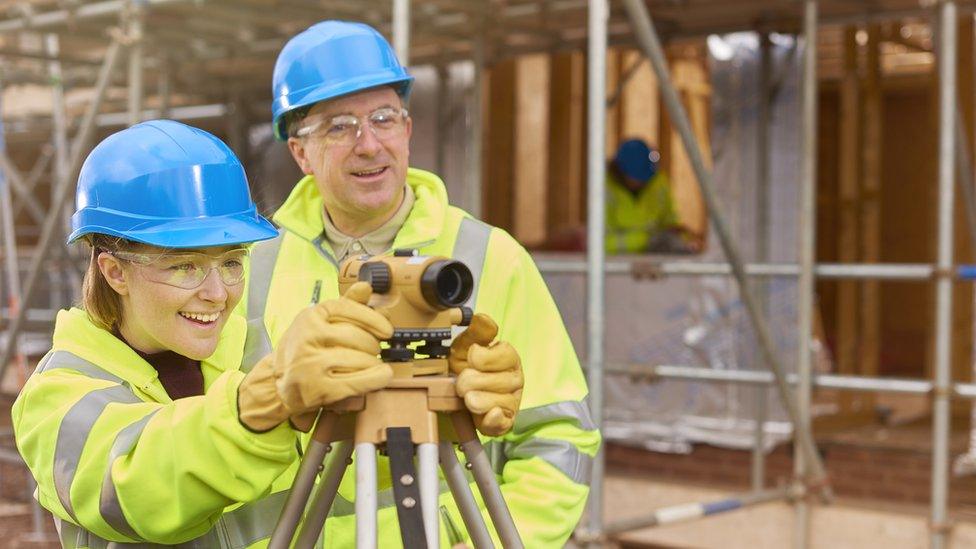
{"points": [[111, 269], [298, 151]]}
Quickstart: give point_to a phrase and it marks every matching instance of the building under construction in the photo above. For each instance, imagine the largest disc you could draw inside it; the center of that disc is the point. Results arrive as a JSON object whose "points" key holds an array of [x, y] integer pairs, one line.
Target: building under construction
{"points": [[807, 372]]}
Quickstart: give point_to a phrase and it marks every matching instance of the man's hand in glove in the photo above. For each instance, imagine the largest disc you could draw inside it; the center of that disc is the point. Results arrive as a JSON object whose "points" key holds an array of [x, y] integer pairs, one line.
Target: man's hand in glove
{"points": [[330, 352], [489, 376]]}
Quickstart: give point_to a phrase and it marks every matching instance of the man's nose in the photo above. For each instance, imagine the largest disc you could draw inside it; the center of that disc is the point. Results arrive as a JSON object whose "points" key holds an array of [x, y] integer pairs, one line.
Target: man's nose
{"points": [[367, 144]]}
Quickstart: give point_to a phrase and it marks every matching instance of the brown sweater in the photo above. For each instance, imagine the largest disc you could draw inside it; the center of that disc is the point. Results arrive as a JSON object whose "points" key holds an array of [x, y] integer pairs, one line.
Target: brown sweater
{"points": [[180, 376]]}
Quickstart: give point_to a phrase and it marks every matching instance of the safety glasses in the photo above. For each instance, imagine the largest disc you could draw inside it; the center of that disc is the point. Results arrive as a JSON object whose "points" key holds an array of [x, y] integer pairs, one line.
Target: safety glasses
{"points": [[188, 270], [346, 129]]}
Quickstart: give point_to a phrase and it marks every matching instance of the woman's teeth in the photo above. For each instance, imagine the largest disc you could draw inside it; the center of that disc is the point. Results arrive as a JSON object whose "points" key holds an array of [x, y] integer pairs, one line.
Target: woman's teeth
{"points": [[199, 317]]}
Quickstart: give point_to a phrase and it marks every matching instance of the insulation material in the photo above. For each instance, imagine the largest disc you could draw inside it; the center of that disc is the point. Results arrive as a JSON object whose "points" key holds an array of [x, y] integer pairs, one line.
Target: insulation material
{"points": [[700, 321]]}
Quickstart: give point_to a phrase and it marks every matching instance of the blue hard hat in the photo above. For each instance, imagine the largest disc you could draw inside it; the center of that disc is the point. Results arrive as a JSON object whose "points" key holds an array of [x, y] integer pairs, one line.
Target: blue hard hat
{"points": [[331, 59], [636, 160], [166, 184]]}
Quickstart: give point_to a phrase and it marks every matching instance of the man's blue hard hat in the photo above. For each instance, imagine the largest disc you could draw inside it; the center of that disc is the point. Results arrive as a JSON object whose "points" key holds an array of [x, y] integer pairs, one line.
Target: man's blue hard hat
{"points": [[331, 59], [636, 160], [166, 184]]}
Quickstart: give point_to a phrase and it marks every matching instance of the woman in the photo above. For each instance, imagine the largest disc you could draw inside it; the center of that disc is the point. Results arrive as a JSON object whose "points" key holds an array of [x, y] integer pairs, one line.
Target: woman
{"points": [[138, 425]]}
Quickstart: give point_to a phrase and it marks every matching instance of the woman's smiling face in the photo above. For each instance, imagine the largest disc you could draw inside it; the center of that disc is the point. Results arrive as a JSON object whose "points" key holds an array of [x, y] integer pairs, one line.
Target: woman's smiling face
{"points": [[158, 316]]}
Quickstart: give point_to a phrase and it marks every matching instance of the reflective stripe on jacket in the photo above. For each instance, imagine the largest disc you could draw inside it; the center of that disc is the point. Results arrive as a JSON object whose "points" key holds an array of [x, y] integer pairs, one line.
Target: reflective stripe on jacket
{"points": [[544, 463], [116, 460]]}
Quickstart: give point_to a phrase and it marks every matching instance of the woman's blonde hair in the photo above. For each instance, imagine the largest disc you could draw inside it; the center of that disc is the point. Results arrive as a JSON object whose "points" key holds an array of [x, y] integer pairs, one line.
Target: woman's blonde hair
{"points": [[102, 303]]}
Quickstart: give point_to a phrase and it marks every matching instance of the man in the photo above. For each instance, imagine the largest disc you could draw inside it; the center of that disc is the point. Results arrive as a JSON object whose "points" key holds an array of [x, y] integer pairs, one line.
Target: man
{"points": [[339, 95], [640, 212]]}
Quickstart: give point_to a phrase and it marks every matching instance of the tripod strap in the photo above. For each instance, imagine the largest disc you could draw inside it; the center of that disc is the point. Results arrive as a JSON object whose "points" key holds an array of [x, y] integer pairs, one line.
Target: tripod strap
{"points": [[406, 489]]}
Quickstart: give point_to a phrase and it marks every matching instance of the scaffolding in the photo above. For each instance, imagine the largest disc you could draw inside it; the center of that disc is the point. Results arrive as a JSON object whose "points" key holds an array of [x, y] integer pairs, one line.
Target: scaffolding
{"points": [[220, 40]]}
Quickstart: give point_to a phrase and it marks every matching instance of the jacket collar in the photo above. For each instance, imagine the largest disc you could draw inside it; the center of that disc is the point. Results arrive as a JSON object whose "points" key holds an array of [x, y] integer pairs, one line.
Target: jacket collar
{"points": [[301, 213], [76, 333]]}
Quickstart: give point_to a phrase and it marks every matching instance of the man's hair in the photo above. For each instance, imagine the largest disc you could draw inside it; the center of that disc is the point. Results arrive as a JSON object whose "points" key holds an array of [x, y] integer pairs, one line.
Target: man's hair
{"points": [[102, 303], [293, 118]]}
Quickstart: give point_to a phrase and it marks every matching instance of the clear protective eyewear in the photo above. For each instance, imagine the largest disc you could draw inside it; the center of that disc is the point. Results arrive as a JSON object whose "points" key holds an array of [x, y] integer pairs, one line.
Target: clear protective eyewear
{"points": [[188, 270], [346, 129]]}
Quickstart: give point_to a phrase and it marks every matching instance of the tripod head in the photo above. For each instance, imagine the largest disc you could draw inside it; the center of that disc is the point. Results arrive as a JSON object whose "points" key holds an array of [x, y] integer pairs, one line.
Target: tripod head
{"points": [[423, 296]]}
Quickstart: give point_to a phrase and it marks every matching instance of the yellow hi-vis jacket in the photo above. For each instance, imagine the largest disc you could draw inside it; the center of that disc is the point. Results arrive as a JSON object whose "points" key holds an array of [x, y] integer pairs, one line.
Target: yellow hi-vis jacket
{"points": [[117, 460], [634, 220], [544, 464]]}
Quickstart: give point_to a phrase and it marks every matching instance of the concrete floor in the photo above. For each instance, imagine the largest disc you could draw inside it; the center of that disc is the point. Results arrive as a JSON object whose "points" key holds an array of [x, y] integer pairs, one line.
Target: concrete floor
{"points": [[844, 524]]}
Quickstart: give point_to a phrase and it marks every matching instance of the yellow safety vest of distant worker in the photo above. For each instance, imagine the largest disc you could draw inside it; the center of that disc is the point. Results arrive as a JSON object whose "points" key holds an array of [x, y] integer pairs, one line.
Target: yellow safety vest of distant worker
{"points": [[640, 214]]}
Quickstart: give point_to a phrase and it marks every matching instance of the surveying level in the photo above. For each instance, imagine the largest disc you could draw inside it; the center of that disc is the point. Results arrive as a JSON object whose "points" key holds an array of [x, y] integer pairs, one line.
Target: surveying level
{"points": [[417, 415]]}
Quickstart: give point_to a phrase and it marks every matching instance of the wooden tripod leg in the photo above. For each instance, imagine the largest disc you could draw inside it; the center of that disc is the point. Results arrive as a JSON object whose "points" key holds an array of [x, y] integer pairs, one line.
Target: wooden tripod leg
{"points": [[294, 506], [484, 477]]}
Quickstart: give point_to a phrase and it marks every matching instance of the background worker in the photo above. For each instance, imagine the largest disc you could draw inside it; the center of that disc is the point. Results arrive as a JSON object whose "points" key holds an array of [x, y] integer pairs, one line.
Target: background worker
{"points": [[640, 210], [339, 96], [130, 424]]}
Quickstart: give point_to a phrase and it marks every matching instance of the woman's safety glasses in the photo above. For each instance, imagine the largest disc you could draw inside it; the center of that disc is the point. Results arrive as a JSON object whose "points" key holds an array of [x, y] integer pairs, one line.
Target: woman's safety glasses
{"points": [[346, 129], [188, 270]]}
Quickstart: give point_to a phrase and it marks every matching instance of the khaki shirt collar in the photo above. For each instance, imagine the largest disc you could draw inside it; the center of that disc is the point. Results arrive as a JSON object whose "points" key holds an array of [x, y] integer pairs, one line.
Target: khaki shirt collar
{"points": [[374, 243]]}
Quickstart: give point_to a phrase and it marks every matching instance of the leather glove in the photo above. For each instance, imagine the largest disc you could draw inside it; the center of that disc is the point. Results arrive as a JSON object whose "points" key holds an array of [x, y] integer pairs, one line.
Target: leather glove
{"points": [[259, 408], [489, 376], [330, 352]]}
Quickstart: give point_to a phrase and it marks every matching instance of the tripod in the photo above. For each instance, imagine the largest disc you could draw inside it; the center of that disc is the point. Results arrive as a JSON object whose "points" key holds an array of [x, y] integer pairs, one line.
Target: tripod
{"points": [[420, 416]]}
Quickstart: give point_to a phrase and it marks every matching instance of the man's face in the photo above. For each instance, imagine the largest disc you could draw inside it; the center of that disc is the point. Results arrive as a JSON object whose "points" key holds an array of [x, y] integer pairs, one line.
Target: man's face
{"points": [[360, 179]]}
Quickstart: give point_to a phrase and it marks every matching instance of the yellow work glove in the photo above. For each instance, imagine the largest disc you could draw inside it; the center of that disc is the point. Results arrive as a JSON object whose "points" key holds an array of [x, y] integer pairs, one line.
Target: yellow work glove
{"points": [[259, 408], [489, 376], [330, 352]]}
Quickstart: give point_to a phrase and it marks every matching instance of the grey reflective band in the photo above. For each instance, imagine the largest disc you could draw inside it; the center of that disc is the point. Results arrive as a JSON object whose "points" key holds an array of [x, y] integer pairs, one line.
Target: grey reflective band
{"points": [[258, 342], [73, 434], [561, 454], [470, 248], [253, 522], [67, 361], [576, 412], [236, 529], [108, 500]]}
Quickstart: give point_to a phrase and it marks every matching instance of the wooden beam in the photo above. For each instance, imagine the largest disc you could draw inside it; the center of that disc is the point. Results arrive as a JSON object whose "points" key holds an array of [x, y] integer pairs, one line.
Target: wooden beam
{"points": [[869, 348], [566, 135], [846, 319], [499, 119], [531, 148]]}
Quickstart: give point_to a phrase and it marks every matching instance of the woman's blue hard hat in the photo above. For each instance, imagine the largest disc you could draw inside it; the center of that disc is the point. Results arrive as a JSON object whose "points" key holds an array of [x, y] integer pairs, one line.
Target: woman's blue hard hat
{"points": [[166, 184]]}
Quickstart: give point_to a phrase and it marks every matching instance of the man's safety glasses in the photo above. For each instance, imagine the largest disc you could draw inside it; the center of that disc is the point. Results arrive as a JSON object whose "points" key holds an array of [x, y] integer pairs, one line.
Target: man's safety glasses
{"points": [[346, 129], [188, 270]]}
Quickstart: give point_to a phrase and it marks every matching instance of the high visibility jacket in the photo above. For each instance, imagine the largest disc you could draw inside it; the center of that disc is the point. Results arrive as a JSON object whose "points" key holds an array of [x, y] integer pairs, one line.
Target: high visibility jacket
{"points": [[115, 459], [634, 220], [544, 464]]}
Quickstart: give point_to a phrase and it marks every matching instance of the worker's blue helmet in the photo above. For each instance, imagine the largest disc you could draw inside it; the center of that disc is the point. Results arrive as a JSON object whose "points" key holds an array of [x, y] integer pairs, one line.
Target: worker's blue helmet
{"points": [[636, 160], [331, 59], [166, 184]]}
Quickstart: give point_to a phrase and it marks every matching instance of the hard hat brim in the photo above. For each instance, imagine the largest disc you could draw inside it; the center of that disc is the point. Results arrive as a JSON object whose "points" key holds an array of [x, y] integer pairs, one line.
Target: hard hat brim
{"points": [[241, 228], [402, 85]]}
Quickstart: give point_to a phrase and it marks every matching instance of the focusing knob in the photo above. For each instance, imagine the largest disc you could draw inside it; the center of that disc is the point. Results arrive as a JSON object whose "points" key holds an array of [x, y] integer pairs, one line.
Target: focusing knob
{"points": [[466, 315], [404, 252], [378, 275]]}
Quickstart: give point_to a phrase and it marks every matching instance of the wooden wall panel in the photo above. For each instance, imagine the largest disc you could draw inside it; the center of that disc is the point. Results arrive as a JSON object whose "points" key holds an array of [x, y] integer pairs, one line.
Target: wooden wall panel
{"points": [[531, 148], [567, 141], [499, 158]]}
